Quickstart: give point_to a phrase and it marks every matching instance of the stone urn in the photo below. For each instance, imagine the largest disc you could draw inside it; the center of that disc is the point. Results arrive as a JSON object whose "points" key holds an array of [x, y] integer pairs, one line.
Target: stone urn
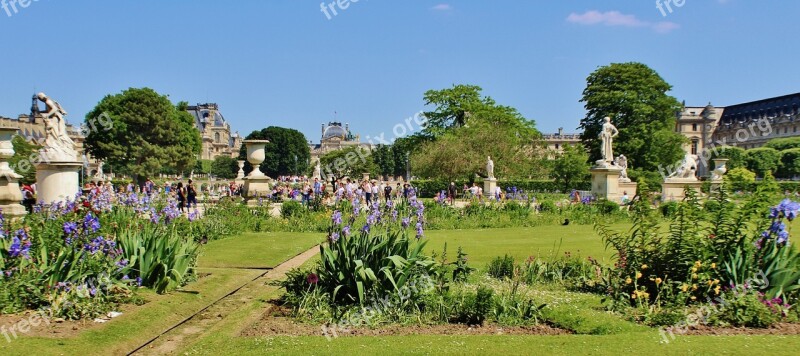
{"points": [[10, 194], [256, 156], [240, 175], [720, 168]]}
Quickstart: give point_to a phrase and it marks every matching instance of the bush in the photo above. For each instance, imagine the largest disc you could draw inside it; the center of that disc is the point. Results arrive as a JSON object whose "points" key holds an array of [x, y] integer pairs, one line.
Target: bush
{"points": [[745, 310], [548, 206], [472, 309], [429, 188], [292, 208], [607, 207], [501, 267], [668, 209]]}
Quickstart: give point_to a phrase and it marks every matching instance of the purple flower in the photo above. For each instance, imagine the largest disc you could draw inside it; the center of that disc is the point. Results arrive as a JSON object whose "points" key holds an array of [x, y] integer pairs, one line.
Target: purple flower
{"points": [[405, 222], [420, 232], [337, 217], [312, 278], [70, 228], [783, 236], [334, 237], [346, 231]]}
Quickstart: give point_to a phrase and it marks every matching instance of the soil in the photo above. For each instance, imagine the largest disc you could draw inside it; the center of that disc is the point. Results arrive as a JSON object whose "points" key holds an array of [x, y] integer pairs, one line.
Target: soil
{"points": [[278, 322], [54, 327]]}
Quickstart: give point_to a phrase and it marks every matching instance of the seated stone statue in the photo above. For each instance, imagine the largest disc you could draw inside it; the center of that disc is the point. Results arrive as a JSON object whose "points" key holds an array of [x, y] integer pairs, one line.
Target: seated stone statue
{"points": [[687, 168]]}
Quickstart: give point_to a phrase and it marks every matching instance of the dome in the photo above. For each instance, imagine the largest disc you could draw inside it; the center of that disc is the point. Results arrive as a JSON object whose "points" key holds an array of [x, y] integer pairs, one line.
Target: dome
{"points": [[334, 130]]}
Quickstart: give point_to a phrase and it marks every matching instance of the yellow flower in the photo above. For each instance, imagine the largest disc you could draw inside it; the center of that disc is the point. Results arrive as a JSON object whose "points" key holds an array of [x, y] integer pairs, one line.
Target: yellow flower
{"points": [[658, 281], [684, 288], [628, 281], [710, 283], [694, 298], [638, 275], [716, 290], [698, 264], [694, 269], [694, 287], [716, 281], [694, 275], [713, 266], [644, 267]]}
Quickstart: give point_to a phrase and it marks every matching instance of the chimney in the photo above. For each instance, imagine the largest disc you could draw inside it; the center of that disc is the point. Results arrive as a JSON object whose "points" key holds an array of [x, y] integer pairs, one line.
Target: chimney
{"points": [[560, 131]]}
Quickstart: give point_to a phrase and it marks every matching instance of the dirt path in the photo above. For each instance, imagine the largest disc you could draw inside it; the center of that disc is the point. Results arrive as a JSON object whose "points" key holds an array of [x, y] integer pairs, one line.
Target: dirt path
{"points": [[198, 324]]}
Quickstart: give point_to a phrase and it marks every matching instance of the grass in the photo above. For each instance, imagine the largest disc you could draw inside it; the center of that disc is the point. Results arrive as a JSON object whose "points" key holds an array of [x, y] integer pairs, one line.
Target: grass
{"points": [[257, 250], [543, 241]]}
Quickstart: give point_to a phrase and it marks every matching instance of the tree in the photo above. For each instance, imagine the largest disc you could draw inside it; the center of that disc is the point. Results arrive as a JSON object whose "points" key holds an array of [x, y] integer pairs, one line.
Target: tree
{"points": [[348, 162], [287, 152], [762, 160], [790, 163], [384, 159], [635, 97], [571, 166], [146, 133], [735, 156], [24, 159], [740, 179], [782, 144], [224, 167]]}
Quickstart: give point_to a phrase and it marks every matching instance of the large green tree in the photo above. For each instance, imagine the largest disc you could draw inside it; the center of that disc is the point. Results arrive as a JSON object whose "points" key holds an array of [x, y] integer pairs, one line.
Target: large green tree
{"points": [[735, 156], [636, 99], [287, 152], [24, 159], [146, 132], [348, 162], [570, 166], [224, 167], [763, 160]]}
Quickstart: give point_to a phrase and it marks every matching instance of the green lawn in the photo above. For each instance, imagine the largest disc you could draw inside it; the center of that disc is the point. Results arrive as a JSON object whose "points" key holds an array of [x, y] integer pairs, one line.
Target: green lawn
{"points": [[257, 250], [543, 241]]}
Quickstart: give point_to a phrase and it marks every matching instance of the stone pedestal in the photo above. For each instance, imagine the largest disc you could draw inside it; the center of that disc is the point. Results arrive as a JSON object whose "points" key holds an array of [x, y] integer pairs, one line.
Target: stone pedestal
{"points": [[627, 187], [606, 184], [256, 184], [10, 194], [240, 175], [489, 186], [57, 181], [673, 188]]}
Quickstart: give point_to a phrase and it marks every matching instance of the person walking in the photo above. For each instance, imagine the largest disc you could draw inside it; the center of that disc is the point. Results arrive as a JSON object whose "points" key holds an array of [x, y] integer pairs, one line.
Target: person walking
{"points": [[181, 193], [451, 193], [191, 195]]}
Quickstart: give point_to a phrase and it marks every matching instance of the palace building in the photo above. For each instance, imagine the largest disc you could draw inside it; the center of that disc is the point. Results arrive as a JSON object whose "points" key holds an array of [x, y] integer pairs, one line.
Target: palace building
{"points": [[556, 142], [217, 138], [335, 137]]}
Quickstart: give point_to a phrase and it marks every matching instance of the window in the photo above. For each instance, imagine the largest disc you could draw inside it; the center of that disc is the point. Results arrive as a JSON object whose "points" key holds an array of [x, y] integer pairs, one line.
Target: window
{"points": [[694, 147], [694, 127], [216, 137], [557, 146]]}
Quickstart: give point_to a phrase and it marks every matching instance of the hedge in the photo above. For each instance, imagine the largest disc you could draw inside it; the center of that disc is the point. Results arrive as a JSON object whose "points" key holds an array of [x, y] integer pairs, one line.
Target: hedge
{"points": [[428, 188]]}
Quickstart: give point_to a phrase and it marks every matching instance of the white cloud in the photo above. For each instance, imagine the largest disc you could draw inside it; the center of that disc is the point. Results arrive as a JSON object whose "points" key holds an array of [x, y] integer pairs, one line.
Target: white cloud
{"points": [[616, 18], [442, 7]]}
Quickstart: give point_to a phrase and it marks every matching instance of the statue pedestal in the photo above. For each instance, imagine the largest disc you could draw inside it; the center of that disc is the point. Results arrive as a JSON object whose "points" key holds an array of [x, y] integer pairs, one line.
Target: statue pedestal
{"points": [[10, 194], [255, 187], [489, 186], [673, 188], [57, 181], [605, 182]]}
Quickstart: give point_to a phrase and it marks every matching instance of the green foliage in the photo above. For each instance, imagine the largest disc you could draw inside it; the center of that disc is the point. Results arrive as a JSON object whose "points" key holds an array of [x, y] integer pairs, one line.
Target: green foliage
{"points": [[146, 134], [348, 162], [501, 267], [635, 97], [428, 188], [571, 166], [745, 310], [292, 208], [735, 156], [472, 309], [762, 160], [790, 163], [25, 156], [287, 152], [668, 209], [224, 167], [740, 179], [203, 166], [606, 207], [783, 144]]}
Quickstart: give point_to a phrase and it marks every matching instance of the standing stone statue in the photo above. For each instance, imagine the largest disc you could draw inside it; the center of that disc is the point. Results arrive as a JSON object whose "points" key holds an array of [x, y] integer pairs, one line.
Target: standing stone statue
{"points": [[58, 146], [100, 173], [622, 163], [317, 170], [607, 135], [489, 167]]}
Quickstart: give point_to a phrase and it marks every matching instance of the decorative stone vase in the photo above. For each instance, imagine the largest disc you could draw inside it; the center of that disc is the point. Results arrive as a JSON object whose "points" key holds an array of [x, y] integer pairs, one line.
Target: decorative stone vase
{"points": [[720, 168], [256, 156], [240, 175], [10, 194]]}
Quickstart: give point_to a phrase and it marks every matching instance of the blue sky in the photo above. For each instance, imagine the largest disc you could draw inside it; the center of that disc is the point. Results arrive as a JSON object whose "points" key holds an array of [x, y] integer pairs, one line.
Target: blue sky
{"points": [[285, 63]]}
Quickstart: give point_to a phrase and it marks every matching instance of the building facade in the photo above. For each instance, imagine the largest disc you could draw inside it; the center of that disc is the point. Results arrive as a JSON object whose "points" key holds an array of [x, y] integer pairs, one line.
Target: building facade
{"points": [[556, 142], [215, 132], [335, 137]]}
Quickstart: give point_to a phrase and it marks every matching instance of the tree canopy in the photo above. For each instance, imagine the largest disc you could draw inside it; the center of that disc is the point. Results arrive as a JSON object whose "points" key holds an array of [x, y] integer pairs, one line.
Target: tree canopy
{"points": [[287, 152], [224, 167], [348, 162], [635, 97], [762, 160], [571, 166], [464, 128], [147, 132]]}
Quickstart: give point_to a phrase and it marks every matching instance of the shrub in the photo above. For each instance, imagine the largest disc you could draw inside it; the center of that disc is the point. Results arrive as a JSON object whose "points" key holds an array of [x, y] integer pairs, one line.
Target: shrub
{"points": [[745, 310], [472, 309], [292, 208], [607, 207], [548, 206], [501, 267], [668, 209]]}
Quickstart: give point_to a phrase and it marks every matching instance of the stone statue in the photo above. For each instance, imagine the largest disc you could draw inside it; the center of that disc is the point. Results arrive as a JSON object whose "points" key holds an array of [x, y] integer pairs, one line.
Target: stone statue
{"points": [[687, 168], [58, 146], [489, 167], [719, 170], [317, 170], [607, 135], [622, 163], [100, 173]]}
